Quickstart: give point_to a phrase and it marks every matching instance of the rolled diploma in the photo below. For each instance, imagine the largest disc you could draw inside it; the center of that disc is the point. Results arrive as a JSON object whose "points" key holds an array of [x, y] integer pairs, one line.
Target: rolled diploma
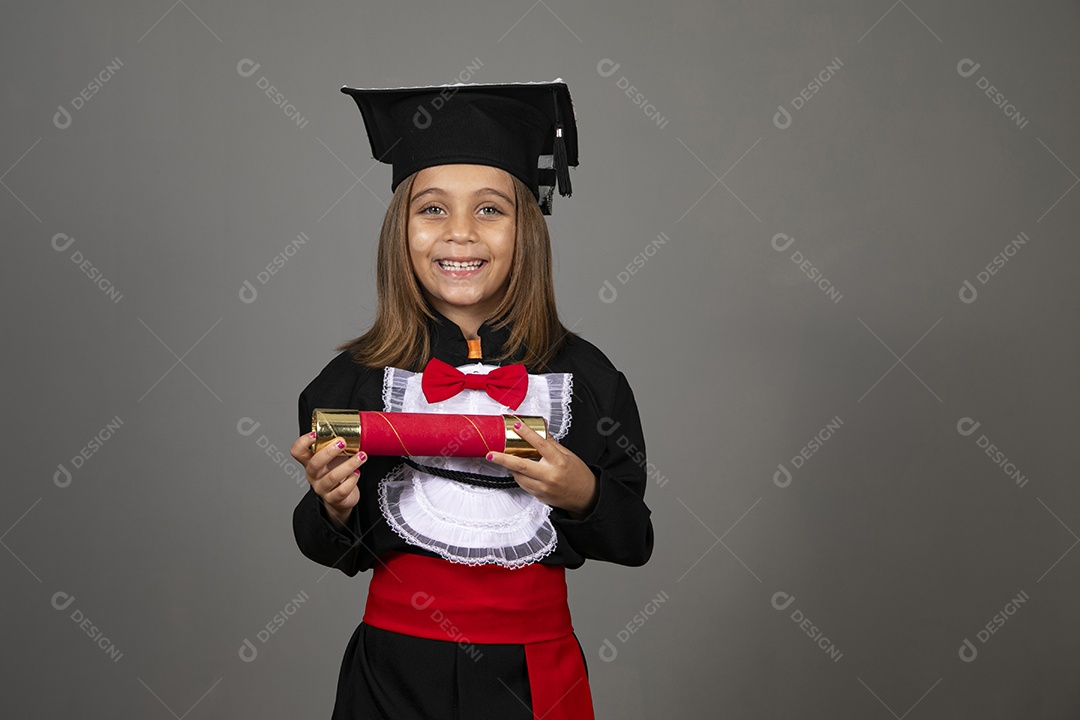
{"points": [[424, 434]]}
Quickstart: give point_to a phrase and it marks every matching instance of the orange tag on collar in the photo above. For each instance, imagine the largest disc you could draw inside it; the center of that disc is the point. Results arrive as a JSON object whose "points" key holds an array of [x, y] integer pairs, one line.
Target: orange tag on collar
{"points": [[474, 349]]}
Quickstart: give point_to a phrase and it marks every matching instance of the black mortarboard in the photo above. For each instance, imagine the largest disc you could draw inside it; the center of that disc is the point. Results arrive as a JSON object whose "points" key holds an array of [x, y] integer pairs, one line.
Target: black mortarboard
{"points": [[526, 129]]}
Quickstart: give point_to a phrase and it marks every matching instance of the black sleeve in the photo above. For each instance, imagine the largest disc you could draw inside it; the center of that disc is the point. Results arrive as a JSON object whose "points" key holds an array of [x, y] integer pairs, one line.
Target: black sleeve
{"points": [[316, 536], [619, 528]]}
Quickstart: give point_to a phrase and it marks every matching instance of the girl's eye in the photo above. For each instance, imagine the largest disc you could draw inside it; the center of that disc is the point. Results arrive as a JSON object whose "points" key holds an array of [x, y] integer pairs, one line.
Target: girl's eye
{"points": [[431, 210], [490, 210]]}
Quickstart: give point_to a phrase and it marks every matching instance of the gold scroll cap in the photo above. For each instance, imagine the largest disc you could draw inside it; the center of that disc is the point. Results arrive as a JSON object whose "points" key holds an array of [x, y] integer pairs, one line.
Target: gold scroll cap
{"points": [[329, 424], [514, 444]]}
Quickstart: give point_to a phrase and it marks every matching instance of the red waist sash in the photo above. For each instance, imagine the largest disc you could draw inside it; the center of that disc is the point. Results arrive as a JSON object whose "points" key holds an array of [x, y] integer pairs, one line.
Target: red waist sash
{"points": [[440, 600]]}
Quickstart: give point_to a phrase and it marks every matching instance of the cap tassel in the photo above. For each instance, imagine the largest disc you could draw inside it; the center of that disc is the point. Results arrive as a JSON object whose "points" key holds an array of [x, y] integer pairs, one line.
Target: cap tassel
{"points": [[562, 171]]}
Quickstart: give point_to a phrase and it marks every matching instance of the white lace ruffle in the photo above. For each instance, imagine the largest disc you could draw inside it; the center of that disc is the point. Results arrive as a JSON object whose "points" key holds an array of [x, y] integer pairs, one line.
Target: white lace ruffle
{"points": [[464, 523]]}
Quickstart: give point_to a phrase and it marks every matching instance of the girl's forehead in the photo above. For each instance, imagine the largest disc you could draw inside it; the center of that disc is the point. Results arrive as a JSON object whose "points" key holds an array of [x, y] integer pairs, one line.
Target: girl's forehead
{"points": [[463, 178]]}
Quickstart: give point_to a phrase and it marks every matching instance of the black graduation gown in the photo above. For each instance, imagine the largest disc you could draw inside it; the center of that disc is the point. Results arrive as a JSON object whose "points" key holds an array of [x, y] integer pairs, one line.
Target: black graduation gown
{"points": [[605, 432]]}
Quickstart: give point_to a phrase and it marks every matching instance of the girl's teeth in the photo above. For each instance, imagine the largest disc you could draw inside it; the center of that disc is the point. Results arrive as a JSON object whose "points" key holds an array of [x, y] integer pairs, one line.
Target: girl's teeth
{"points": [[451, 265]]}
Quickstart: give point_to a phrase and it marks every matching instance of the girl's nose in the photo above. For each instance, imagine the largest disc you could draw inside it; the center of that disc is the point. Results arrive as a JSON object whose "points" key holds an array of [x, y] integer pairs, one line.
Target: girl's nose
{"points": [[461, 228]]}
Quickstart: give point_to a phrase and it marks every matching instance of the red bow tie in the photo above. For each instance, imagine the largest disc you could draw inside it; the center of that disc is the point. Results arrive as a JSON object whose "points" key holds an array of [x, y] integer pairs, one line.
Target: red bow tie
{"points": [[507, 384]]}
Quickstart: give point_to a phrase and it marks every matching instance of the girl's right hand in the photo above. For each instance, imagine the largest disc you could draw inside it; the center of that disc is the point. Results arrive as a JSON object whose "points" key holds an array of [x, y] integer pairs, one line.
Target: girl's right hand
{"points": [[332, 474]]}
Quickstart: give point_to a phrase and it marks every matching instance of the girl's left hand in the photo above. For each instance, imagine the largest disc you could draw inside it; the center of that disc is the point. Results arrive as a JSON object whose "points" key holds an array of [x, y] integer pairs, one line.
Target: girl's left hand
{"points": [[560, 478]]}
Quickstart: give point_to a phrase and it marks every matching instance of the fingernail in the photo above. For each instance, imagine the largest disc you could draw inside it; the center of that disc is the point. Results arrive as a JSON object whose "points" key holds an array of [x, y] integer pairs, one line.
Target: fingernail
{"points": [[363, 457], [341, 445], [490, 456], [517, 425], [357, 471], [312, 434]]}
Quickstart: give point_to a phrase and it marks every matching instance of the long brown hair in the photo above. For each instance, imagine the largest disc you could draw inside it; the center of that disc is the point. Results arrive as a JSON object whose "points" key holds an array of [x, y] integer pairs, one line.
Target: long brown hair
{"points": [[399, 335]]}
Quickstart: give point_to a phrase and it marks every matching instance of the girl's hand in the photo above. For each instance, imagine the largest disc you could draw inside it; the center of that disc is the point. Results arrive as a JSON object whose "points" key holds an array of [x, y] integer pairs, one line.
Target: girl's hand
{"points": [[560, 478], [332, 474]]}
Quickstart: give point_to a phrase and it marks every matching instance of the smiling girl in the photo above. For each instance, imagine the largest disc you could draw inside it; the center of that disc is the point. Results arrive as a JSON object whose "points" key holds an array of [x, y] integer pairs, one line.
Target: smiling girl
{"points": [[466, 614]]}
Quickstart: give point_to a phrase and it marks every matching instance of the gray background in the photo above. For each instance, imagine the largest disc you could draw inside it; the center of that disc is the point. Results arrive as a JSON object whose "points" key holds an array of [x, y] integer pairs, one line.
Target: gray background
{"points": [[179, 180]]}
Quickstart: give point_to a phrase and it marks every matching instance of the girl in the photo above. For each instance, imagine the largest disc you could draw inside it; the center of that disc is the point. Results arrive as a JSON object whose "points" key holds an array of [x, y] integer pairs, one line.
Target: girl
{"points": [[466, 615]]}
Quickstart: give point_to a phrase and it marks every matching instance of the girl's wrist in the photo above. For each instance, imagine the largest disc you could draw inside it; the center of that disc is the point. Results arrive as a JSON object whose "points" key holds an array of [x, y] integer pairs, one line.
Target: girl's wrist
{"points": [[337, 518]]}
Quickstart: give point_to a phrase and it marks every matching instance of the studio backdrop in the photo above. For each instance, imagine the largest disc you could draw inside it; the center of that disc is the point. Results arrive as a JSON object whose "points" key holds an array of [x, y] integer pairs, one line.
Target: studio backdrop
{"points": [[833, 247]]}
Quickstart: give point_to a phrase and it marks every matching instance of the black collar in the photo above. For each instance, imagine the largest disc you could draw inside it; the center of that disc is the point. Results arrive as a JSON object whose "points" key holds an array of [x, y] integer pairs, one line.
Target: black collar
{"points": [[448, 341]]}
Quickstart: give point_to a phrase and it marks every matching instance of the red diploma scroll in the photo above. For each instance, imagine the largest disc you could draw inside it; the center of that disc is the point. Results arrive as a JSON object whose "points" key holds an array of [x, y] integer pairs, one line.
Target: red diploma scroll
{"points": [[424, 434]]}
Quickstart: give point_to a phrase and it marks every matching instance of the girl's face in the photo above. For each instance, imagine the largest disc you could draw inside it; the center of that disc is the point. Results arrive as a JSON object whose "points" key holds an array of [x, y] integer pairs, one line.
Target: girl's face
{"points": [[461, 237]]}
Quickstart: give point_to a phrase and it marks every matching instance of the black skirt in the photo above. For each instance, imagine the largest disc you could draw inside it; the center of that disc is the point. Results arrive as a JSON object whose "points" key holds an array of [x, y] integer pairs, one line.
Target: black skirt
{"points": [[389, 676]]}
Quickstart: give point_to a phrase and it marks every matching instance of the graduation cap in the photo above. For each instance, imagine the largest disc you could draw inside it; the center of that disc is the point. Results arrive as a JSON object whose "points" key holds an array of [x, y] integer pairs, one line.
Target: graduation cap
{"points": [[526, 129]]}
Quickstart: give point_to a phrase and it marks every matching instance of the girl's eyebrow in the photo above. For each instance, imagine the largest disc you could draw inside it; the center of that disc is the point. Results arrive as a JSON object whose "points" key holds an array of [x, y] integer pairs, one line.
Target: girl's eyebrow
{"points": [[496, 193], [429, 191], [482, 191]]}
